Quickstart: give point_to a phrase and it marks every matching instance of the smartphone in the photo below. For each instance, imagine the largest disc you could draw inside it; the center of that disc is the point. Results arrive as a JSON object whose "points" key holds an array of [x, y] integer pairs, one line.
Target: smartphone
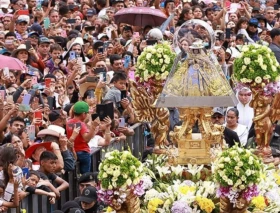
{"points": [[123, 94], [48, 82], [121, 122], [47, 23], [6, 71], [276, 7], [38, 7], [31, 132], [23, 12], [89, 28], [25, 172], [103, 76], [94, 79], [2, 94], [228, 32], [72, 55], [38, 115], [131, 75], [86, 36], [151, 42], [28, 45], [94, 116], [77, 125], [127, 60], [50, 102], [100, 50], [34, 80], [99, 70], [71, 21], [26, 99]]}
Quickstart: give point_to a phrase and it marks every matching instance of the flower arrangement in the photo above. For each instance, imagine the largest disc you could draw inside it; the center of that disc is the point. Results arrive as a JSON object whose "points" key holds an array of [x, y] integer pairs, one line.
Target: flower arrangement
{"points": [[257, 67], [238, 172], [155, 62], [120, 172]]}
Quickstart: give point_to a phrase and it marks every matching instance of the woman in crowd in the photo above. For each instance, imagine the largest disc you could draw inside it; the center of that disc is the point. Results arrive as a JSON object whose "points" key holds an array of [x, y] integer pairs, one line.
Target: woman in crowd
{"points": [[232, 123]]}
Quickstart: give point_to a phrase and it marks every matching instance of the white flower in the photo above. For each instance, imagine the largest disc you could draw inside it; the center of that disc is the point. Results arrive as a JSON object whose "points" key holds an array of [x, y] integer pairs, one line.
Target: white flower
{"points": [[248, 172], [247, 61], [104, 175], [274, 69], [161, 61], [128, 182], [258, 79], [245, 49], [148, 56], [194, 169], [178, 170], [163, 170]]}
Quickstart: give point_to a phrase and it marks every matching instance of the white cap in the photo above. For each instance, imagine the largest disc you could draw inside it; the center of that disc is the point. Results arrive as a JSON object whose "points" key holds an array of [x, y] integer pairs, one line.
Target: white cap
{"points": [[4, 4], [155, 34]]}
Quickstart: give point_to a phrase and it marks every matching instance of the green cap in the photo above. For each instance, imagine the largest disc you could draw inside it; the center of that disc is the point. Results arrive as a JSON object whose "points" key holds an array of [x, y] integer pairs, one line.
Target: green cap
{"points": [[81, 107]]}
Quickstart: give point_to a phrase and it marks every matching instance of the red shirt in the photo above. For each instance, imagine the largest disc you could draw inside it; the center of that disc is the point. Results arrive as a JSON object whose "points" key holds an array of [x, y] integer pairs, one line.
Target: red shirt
{"points": [[79, 144]]}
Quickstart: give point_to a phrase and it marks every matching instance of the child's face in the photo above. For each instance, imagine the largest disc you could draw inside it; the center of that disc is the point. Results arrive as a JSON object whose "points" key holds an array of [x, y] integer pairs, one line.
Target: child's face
{"points": [[33, 181], [120, 84], [49, 165], [55, 54]]}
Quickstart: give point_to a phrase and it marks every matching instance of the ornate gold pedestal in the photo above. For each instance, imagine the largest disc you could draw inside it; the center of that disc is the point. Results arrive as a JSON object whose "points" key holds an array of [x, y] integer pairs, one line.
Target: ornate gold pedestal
{"points": [[195, 148]]}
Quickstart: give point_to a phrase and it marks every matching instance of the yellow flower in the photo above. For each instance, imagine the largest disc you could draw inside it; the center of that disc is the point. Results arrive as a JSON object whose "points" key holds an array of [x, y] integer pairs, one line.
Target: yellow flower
{"points": [[259, 202], [109, 209], [205, 204], [153, 204], [186, 189], [277, 177], [247, 61]]}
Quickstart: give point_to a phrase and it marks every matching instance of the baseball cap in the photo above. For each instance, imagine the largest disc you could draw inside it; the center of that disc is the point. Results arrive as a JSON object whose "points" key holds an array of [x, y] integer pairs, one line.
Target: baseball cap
{"points": [[21, 21], [81, 107], [68, 205], [44, 40], [88, 177], [88, 195], [218, 110], [4, 4], [253, 21], [33, 33], [91, 12], [54, 115]]}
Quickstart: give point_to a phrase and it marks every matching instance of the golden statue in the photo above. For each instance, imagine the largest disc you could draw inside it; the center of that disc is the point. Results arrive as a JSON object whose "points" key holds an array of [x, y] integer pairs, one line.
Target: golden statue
{"points": [[195, 87], [145, 112], [266, 109]]}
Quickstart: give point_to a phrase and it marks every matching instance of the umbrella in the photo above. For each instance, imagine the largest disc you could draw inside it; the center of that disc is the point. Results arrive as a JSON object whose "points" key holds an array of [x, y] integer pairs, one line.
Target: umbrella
{"points": [[11, 62], [140, 16]]}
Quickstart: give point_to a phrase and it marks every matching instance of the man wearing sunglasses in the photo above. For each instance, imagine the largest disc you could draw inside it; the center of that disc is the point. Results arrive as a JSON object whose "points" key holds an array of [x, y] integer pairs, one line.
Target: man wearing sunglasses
{"points": [[253, 29], [218, 118]]}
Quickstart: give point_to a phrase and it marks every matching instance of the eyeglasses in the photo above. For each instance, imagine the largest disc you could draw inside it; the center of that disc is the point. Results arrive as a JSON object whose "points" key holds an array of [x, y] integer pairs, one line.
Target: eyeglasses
{"points": [[247, 94]]}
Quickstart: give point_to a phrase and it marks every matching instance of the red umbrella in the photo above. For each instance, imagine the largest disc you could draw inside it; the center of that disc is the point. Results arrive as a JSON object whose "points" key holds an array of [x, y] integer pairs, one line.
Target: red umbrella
{"points": [[11, 62], [140, 16]]}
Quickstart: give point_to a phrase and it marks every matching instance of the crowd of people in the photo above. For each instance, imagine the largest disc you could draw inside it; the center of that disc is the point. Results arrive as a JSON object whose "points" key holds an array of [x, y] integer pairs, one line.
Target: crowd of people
{"points": [[74, 93]]}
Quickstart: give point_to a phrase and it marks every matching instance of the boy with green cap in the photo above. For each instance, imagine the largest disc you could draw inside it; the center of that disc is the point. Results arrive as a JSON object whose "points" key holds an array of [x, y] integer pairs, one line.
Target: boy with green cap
{"points": [[79, 134]]}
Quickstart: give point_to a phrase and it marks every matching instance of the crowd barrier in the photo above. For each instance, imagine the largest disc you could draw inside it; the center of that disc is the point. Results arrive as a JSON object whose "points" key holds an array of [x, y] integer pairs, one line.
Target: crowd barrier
{"points": [[40, 204]]}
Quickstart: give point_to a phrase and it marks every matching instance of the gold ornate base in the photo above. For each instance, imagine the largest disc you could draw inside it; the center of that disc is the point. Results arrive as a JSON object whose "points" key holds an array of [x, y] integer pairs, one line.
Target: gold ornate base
{"points": [[265, 154], [227, 207]]}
